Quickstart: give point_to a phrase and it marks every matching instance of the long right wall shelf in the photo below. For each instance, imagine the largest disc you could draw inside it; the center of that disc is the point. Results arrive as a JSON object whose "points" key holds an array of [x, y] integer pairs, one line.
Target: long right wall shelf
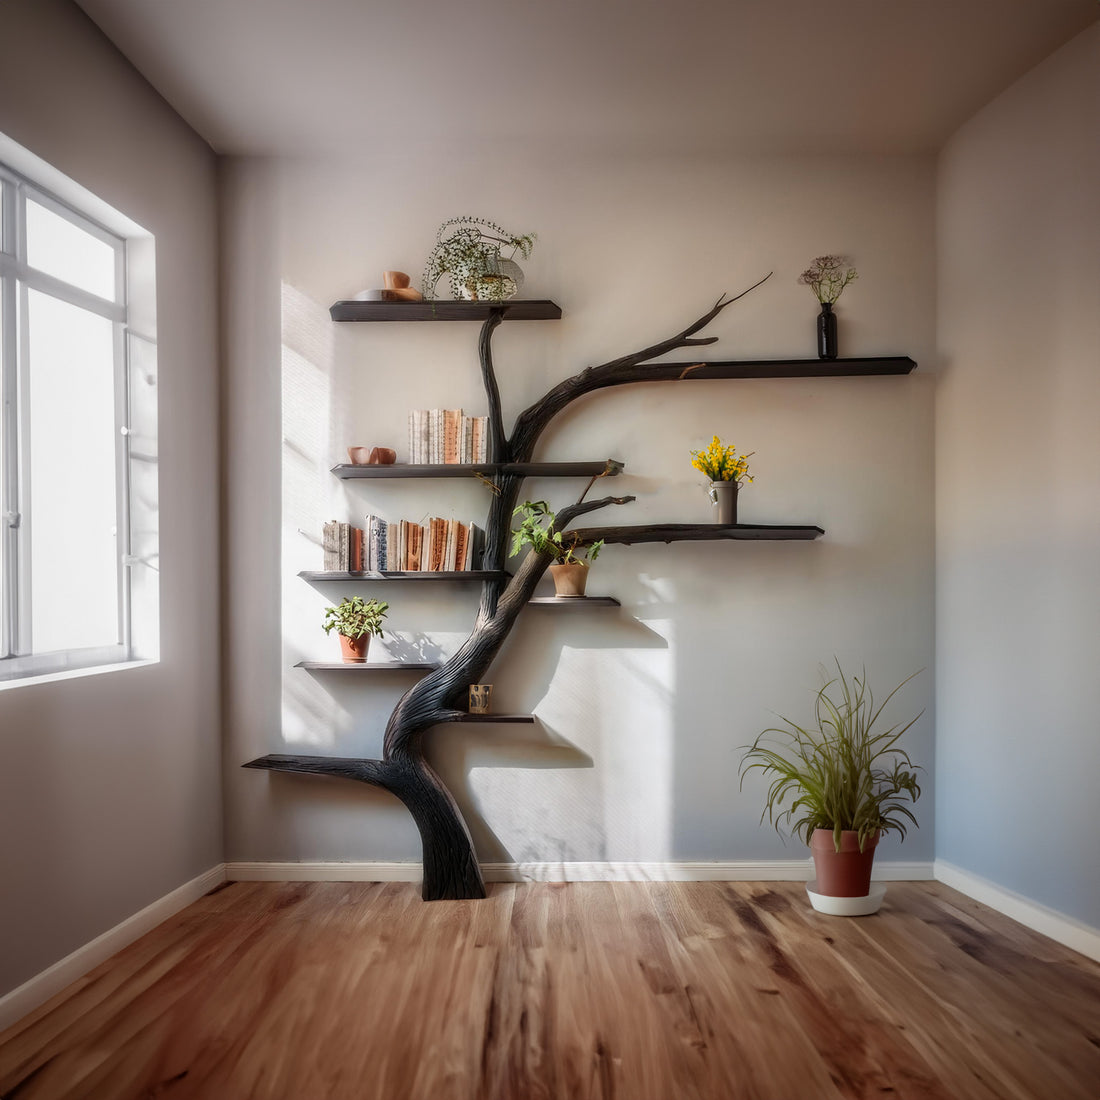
{"points": [[786, 368]]}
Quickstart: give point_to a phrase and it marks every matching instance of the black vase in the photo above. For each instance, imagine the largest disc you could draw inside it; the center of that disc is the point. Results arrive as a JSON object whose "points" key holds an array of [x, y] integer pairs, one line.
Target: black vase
{"points": [[826, 332]]}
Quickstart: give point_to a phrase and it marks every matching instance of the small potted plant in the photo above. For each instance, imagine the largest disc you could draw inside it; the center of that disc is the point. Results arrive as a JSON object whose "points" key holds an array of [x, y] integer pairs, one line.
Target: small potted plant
{"points": [[827, 277], [839, 784], [727, 471], [355, 620], [469, 251], [537, 530]]}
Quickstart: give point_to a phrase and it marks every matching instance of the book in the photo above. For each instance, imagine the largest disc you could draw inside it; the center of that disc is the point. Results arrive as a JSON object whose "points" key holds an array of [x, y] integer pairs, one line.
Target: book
{"points": [[475, 544], [451, 546], [391, 559], [452, 420], [435, 437], [403, 545], [330, 535], [466, 449], [462, 534], [439, 543], [343, 561], [355, 563], [370, 555], [416, 543], [479, 446]]}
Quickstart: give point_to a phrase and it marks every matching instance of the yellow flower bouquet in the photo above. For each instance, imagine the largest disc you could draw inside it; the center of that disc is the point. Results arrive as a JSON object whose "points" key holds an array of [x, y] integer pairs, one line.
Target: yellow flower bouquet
{"points": [[722, 463]]}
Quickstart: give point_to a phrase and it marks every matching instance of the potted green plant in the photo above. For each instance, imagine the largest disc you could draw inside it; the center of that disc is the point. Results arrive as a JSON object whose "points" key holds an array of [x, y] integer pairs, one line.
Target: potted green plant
{"points": [[469, 251], [355, 620], [727, 471], [839, 783], [536, 529]]}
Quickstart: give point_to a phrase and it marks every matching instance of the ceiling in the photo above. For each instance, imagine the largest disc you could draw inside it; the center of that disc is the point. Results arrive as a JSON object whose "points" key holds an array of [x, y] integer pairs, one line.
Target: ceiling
{"points": [[298, 77]]}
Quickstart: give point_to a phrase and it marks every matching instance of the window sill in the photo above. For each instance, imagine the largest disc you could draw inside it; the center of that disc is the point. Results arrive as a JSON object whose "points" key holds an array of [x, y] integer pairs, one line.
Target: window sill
{"points": [[11, 680]]}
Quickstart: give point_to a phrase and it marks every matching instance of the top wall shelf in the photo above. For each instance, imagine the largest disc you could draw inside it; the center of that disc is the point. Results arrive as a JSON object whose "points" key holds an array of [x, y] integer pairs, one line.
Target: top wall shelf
{"points": [[517, 309]]}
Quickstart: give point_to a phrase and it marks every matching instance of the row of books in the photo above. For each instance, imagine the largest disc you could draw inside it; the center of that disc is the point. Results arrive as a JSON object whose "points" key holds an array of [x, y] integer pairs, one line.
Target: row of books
{"points": [[444, 436], [438, 546]]}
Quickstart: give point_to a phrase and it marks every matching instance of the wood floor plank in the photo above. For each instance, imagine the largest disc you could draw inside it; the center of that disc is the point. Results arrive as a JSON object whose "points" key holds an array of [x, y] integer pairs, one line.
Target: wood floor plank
{"points": [[569, 991]]}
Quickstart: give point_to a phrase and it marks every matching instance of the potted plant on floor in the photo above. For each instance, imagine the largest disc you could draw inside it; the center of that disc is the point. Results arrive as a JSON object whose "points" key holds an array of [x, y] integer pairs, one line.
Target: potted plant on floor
{"points": [[840, 784], [355, 620], [536, 529]]}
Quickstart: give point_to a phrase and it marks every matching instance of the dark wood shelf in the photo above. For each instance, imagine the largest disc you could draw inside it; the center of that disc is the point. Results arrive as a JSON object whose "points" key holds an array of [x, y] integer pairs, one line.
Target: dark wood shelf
{"points": [[704, 532], [367, 666], [574, 601], [348, 471], [420, 575], [790, 368], [526, 719], [516, 309]]}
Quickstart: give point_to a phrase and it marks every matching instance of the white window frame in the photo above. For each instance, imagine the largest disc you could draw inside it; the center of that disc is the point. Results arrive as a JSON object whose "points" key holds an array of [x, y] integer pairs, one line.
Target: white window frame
{"points": [[17, 659]]}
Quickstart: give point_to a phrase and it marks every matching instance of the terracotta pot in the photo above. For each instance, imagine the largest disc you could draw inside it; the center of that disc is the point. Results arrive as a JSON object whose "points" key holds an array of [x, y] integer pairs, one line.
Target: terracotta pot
{"points": [[569, 580], [847, 873], [354, 650]]}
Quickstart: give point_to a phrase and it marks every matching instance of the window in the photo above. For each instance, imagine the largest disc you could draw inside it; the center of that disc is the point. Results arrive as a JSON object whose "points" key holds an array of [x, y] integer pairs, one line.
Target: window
{"points": [[77, 444]]}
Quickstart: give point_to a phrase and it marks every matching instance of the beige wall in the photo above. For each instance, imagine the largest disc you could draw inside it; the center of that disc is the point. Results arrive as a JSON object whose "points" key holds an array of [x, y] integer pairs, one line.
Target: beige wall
{"points": [[110, 789], [1018, 487], [641, 709]]}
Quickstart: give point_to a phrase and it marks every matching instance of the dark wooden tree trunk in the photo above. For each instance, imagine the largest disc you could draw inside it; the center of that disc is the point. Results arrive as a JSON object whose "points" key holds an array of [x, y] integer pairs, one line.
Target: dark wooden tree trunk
{"points": [[450, 864]]}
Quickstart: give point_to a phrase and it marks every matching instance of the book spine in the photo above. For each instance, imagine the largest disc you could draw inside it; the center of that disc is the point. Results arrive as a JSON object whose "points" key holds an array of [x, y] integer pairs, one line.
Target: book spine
{"points": [[435, 562], [386, 552], [474, 547], [483, 439], [416, 545], [356, 562], [370, 550], [344, 561], [462, 534], [451, 420], [329, 543]]}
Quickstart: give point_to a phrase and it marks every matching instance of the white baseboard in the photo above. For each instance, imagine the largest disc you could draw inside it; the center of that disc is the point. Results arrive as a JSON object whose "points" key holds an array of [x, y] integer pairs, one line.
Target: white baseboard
{"points": [[1057, 926], [27, 997], [788, 870]]}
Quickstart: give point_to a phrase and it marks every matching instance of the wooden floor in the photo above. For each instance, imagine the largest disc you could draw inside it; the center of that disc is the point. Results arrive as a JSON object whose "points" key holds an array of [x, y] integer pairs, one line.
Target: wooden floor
{"points": [[661, 990]]}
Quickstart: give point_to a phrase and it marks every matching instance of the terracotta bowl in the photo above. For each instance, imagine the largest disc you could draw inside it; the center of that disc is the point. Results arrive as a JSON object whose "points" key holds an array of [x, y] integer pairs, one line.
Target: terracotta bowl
{"points": [[372, 456]]}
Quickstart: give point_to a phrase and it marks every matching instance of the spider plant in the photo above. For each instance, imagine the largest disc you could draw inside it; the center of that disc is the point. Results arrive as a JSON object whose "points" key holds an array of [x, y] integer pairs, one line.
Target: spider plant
{"points": [[842, 773]]}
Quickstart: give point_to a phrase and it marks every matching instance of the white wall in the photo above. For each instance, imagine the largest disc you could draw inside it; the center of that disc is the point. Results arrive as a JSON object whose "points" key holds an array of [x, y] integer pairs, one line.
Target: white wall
{"points": [[1018, 487], [641, 709], [110, 788]]}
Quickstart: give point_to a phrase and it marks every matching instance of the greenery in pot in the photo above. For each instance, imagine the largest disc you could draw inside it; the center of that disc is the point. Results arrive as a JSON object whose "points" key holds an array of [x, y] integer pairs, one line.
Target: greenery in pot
{"points": [[827, 277], [537, 530], [469, 252], [843, 773], [353, 617]]}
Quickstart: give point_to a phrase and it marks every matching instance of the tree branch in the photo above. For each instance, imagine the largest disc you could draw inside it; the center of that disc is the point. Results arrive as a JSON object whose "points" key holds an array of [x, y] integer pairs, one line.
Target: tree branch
{"points": [[497, 441], [572, 511], [629, 368]]}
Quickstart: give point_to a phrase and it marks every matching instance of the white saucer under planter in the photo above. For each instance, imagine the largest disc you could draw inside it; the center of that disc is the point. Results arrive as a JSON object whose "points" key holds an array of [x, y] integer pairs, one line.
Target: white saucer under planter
{"points": [[847, 907]]}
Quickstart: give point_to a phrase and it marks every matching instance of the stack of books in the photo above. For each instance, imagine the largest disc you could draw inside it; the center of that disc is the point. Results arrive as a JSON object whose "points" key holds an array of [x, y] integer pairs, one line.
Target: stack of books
{"points": [[445, 436], [438, 546]]}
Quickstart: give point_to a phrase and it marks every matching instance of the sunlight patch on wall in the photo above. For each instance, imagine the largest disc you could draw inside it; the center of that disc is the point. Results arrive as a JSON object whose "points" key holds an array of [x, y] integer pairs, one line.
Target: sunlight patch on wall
{"points": [[310, 715], [603, 750]]}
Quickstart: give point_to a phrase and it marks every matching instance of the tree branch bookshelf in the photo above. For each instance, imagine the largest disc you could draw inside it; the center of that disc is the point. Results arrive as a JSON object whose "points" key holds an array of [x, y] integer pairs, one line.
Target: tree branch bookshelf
{"points": [[450, 864]]}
